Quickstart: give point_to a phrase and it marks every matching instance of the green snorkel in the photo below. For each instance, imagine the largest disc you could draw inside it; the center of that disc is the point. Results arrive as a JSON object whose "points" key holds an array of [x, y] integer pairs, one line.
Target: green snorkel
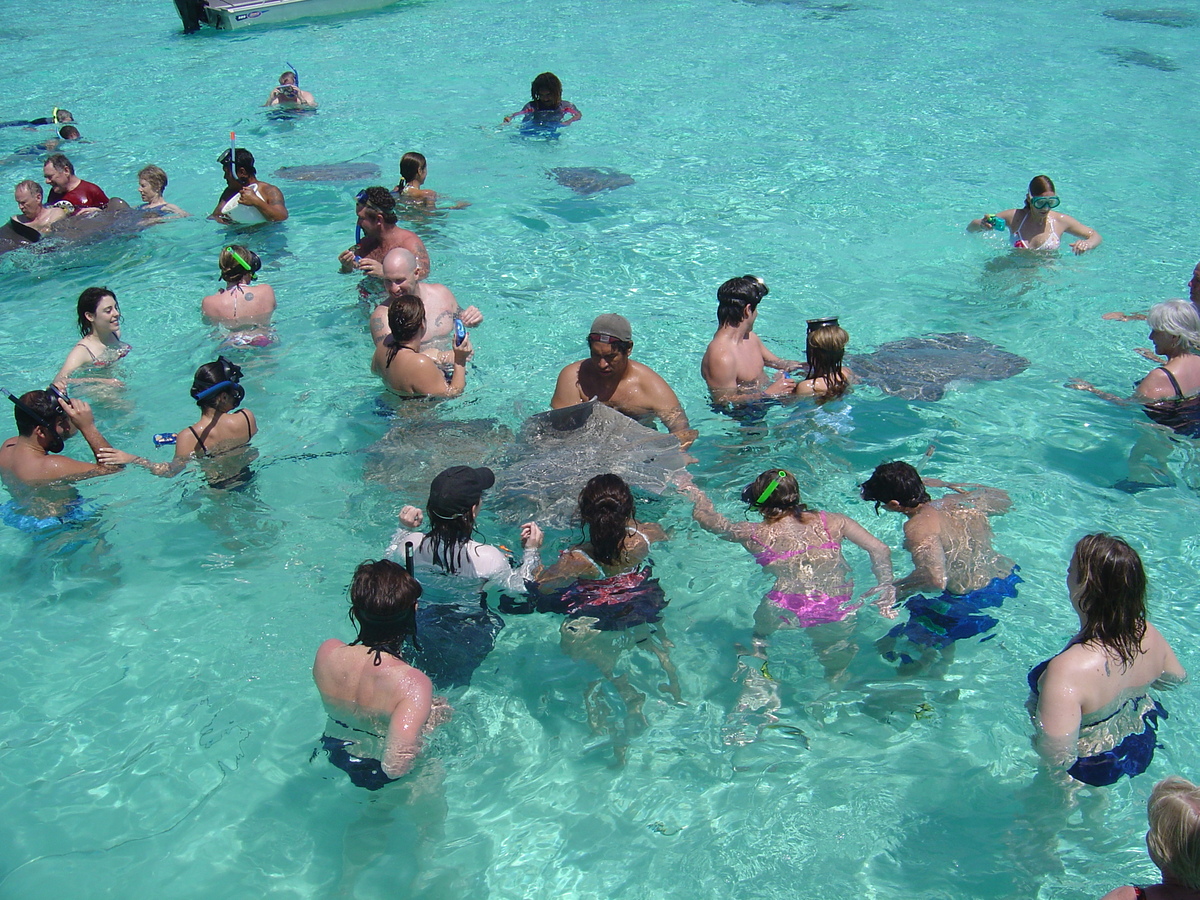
{"points": [[770, 488]]}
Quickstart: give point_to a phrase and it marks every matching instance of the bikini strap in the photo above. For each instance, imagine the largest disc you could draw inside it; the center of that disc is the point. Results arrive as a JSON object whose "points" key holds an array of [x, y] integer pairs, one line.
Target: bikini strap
{"points": [[94, 357], [591, 561], [1174, 383], [246, 416], [199, 441]]}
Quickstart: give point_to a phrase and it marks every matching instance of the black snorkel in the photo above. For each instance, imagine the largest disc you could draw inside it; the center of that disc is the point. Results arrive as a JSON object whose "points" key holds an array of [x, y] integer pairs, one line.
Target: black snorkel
{"points": [[56, 444]]}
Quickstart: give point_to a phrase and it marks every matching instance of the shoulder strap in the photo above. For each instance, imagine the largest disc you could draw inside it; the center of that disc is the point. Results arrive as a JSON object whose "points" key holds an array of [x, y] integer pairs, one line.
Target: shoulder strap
{"points": [[199, 441], [247, 418], [1174, 383]]}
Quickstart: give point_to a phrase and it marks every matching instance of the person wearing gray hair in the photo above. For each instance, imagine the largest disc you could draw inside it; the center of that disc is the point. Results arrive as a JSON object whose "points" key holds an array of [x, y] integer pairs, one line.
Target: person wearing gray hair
{"points": [[1169, 394]]}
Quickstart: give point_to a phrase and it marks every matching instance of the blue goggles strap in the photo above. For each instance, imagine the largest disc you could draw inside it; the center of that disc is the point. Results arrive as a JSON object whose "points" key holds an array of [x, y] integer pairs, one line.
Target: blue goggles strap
{"points": [[220, 386]]}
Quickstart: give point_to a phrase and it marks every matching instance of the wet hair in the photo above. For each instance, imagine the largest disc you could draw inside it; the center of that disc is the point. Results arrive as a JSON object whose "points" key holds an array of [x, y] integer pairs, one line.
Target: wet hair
{"points": [[448, 536], [605, 508], [60, 163], [1111, 595], [1179, 319], [242, 159], [32, 186], [69, 133], [383, 606], [406, 318], [737, 297], [231, 269], [213, 373], [411, 164], [783, 500], [290, 76], [381, 200], [895, 481], [1040, 184], [63, 115], [87, 303], [44, 404], [1174, 836], [155, 177], [549, 82], [824, 352]]}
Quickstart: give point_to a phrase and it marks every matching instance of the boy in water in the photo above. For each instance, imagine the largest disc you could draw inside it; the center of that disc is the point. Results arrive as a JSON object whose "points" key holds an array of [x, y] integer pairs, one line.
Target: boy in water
{"points": [[950, 541]]}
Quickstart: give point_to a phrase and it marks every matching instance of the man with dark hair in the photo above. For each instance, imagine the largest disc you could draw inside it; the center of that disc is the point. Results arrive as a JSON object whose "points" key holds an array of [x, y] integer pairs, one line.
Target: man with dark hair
{"points": [[376, 210], [950, 541], [44, 422], [733, 363], [28, 195], [246, 200], [66, 185], [611, 377]]}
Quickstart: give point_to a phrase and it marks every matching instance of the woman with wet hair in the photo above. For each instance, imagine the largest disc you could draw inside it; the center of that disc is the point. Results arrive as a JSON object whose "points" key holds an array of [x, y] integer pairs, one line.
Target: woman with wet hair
{"points": [[824, 351], [546, 111], [152, 181], [99, 317], [1036, 226], [222, 434], [455, 497], [801, 548], [605, 587], [241, 306], [1091, 704], [379, 706]]}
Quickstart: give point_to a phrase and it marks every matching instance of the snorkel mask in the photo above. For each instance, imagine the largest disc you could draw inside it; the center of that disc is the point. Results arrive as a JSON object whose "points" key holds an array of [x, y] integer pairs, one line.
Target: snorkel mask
{"points": [[56, 444], [231, 375], [827, 322]]}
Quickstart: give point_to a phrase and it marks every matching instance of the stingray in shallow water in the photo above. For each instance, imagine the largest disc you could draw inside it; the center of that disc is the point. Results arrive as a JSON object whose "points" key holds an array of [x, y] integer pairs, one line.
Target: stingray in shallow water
{"points": [[1132, 57], [331, 172], [557, 452], [920, 368], [80, 229], [1170, 18], [591, 181]]}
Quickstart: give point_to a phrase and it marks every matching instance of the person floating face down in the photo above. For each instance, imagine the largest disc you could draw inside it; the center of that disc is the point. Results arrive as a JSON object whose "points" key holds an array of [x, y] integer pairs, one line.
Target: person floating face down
{"points": [[610, 376]]}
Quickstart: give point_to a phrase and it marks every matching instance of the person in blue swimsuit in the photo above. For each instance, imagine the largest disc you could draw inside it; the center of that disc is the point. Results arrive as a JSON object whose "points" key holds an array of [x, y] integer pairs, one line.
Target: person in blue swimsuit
{"points": [[1091, 704], [1173, 842], [954, 564], [546, 111], [379, 706]]}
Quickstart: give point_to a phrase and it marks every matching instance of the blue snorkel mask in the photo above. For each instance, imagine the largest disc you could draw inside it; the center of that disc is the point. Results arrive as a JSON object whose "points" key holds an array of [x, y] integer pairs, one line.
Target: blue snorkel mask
{"points": [[232, 375]]}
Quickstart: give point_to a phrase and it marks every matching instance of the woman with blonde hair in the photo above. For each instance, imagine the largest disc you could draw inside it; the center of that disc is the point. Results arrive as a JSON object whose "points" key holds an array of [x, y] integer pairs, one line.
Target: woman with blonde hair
{"points": [[1173, 842], [824, 351]]}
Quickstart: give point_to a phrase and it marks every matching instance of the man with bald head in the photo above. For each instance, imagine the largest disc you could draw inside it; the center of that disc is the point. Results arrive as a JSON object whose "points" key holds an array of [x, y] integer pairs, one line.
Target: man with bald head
{"points": [[400, 270]]}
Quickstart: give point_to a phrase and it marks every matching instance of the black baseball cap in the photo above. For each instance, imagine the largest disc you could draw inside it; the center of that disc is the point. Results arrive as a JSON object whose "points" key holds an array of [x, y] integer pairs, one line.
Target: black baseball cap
{"points": [[457, 489]]}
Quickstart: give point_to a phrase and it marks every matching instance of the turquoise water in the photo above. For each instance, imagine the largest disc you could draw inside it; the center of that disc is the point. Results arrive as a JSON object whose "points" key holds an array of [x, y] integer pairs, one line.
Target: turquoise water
{"points": [[161, 715]]}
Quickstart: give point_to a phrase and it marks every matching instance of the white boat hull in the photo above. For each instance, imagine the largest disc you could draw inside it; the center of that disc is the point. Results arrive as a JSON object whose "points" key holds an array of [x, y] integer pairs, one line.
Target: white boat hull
{"points": [[232, 15]]}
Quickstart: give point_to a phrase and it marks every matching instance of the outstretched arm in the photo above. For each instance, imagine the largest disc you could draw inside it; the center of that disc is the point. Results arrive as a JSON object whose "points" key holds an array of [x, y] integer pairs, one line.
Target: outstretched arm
{"points": [[881, 564], [709, 519], [1090, 236]]}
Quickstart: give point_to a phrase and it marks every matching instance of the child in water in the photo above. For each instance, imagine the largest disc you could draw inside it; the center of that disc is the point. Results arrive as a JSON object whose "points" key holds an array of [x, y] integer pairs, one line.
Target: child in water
{"points": [[547, 109]]}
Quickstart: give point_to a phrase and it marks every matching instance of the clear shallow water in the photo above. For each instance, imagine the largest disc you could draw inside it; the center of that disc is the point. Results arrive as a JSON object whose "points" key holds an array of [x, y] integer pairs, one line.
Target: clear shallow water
{"points": [[161, 715]]}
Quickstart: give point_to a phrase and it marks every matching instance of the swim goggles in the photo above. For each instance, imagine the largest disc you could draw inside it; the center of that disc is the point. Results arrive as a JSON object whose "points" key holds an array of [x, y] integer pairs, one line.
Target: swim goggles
{"points": [[56, 443], [828, 322], [1044, 202]]}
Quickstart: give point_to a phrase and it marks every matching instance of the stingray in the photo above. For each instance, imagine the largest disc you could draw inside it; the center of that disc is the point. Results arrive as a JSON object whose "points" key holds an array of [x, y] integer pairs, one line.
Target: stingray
{"points": [[920, 368], [557, 452], [591, 181], [331, 172], [421, 445], [1132, 57], [82, 228], [1170, 18]]}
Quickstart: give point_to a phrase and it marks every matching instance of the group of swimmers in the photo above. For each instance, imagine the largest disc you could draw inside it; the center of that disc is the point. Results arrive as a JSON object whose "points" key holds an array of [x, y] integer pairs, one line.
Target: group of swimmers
{"points": [[1095, 718]]}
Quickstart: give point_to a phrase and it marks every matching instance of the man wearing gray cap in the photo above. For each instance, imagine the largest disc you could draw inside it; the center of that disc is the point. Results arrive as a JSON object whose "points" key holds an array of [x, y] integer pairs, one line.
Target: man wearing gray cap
{"points": [[611, 377]]}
